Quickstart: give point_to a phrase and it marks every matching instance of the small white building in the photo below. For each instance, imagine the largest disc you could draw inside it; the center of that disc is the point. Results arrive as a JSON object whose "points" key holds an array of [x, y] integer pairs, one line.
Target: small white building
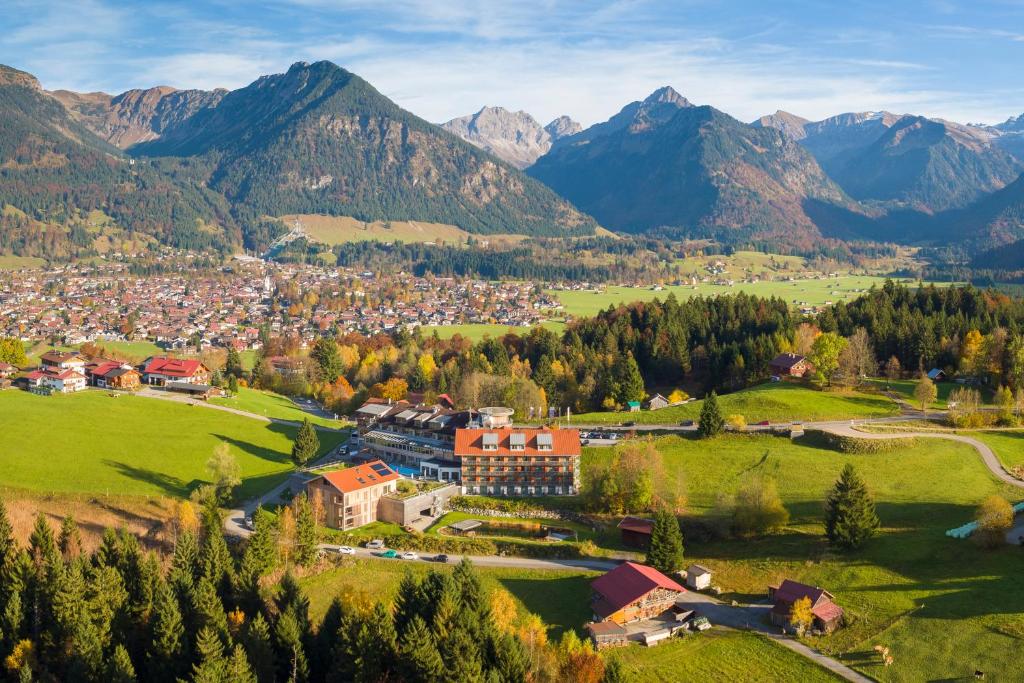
{"points": [[698, 577]]}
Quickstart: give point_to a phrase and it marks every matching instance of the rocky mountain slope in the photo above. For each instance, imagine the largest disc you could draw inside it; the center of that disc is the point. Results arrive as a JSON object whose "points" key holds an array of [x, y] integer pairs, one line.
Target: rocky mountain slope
{"points": [[902, 161], [136, 115], [514, 136], [665, 163]]}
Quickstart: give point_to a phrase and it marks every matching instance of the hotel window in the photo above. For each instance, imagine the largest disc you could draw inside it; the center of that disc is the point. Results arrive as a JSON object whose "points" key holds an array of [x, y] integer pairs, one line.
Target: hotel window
{"points": [[517, 441], [544, 442], [490, 442]]}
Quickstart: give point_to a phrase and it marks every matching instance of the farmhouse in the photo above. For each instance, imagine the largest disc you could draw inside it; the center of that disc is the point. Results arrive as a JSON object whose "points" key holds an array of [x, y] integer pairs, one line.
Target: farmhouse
{"points": [[159, 370], [112, 374], [57, 360], [351, 497], [53, 380], [632, 592], [657, 402], [827, 614], [789, 365], [636, 531]]}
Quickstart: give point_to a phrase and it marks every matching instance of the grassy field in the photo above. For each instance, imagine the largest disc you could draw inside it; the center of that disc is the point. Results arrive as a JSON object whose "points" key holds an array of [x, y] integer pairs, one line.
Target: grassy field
{"points": [[718, 655], [803, 292], [905, 388], [19, 262], [339, 229], [93, 443], [269, 404], [477, 331], [1008, 446], [775, 401], [906, 587]]}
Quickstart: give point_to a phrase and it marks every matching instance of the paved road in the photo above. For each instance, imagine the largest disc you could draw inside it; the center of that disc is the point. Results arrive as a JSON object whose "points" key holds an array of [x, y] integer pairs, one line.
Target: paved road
{"points": [[986, 453], [492, 560]]}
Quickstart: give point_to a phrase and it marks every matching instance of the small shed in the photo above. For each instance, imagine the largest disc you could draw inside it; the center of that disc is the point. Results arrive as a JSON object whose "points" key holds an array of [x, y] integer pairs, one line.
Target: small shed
{"points": [[936, 375], [636, 531], [465, 527], [634, 406], [194, 390], [657, 402], [698, 577], [606, 634]]}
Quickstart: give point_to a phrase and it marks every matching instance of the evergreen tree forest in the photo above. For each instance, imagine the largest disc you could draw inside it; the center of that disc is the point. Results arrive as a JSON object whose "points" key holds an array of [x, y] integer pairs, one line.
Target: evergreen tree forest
{"points": [[209, 615]]}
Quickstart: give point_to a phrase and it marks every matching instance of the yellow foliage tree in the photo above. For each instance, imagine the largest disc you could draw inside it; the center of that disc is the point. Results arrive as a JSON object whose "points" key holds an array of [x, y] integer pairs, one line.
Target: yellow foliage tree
{"points": [[994, 518], [678, 396], [971, 360], [801, 615], [427, 366], [286, 535], [503, 610], [22, 654]]}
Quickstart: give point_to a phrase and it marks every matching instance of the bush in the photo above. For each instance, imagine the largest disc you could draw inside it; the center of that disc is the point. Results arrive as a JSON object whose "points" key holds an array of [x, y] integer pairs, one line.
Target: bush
{"points": [[862, 446]]}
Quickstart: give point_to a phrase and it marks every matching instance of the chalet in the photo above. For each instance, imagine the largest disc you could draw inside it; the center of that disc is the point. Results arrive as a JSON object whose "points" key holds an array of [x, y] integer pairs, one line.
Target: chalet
{"points": [[351, 497], [789, 365], [159, 370], [53, 380], [632, 592], [828, 615], [636, 531], [7, 370], [112, 374], [936, 375], [657, 402], [58, 360]]}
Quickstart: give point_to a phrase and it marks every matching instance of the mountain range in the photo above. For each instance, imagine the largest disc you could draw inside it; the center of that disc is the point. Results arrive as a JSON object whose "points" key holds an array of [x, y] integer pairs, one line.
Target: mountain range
{"points": [[215, 169], [514, 136], [212, 169]]}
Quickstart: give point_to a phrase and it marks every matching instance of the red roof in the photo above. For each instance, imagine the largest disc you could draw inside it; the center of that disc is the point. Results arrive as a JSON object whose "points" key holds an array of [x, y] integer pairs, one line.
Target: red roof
{"points": [[102, 368], [563, 442], [822, 604], [6, 367], [67, 374], [173, 367], [629, 582], [361, 476], [58, 357]]}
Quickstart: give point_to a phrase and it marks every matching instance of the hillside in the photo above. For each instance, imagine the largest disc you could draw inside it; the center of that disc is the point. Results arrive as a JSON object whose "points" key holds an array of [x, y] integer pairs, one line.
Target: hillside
{"points": [[319, 139], [513, 136], [57, 178], [664, 163]]}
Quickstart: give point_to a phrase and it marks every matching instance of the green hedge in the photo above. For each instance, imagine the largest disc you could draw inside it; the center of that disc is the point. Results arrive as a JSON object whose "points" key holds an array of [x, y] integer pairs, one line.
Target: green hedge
{"points": [[853, 444]]}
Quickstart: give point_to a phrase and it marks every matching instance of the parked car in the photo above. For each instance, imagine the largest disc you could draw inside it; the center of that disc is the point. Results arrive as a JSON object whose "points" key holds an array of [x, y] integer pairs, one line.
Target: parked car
{"points": [[631, 423], [389, 554], [375, 544], [762, 423], [441, 558], [409, 555], [346, 550], [247, 522], [686, 423]]}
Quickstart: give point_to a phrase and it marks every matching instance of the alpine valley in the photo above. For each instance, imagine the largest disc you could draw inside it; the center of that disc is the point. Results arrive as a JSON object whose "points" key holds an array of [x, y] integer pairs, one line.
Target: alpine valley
{"points": [[220, 169]]}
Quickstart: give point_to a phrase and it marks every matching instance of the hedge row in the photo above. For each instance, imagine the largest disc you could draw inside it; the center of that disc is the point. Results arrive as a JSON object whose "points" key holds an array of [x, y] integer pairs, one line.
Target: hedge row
{"points": [[853, 444]]}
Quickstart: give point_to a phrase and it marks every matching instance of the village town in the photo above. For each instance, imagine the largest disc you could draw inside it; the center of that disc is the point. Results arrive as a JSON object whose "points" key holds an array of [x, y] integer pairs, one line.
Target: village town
{"points": [[226, 307]]}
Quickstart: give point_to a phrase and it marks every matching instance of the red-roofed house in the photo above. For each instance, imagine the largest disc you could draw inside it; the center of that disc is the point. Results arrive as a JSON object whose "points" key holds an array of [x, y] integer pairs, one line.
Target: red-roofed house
{"points": [[632, 592], [58, 360], [828, 615], [351, 497], [159, 370], [636, 531], [519, 462]]}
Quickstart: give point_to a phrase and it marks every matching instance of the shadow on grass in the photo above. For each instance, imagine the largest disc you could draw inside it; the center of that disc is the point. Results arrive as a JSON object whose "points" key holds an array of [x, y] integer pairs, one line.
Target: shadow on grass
{"points": [[563, 603], [170, 485]]}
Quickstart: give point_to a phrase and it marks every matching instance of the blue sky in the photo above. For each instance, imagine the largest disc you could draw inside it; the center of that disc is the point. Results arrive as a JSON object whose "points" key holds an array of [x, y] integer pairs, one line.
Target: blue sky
{"points": [[958, 60]]}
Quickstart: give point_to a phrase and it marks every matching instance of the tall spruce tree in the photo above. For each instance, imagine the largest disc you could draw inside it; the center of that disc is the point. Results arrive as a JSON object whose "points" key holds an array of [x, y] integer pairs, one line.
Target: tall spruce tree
{"points": [[850, 517], [211, 667], [306, 535], [306, 445], [260, 649], [711, 421], [167, 649], [666, 551], [120, 668], [418, 656]]}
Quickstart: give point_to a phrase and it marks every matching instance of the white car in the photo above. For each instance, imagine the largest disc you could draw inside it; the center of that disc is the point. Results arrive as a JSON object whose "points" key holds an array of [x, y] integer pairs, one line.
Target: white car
{"points": [[346, 550], [410, 556], [375, 544]]}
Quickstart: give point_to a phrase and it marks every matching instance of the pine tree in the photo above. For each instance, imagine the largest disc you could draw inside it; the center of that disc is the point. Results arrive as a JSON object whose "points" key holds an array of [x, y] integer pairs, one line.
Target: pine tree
{"points": [[8, 559], [238, 669], [168, 645], [711, 421], [70, 540], [217, 565], [259, 649], [509, 657], [850, 517], [322, 645], [120, 668], [306, 536], [461, 656], [375, 645], [306, 445], [666, 551], [614, 672], [208, 610], [291, 659], [109, 552], [211, 666], [185, 561], [418, 655]]}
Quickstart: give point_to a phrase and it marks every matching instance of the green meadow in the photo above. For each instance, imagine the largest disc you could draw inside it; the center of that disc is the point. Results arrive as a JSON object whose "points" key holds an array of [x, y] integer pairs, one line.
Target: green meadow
{"points": [[269, 404], [91, 442], [774, 401]]}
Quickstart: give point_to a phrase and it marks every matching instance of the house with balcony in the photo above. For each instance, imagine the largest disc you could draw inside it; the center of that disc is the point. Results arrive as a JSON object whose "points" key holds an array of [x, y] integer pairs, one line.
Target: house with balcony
{"points": [[519, 462]]}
